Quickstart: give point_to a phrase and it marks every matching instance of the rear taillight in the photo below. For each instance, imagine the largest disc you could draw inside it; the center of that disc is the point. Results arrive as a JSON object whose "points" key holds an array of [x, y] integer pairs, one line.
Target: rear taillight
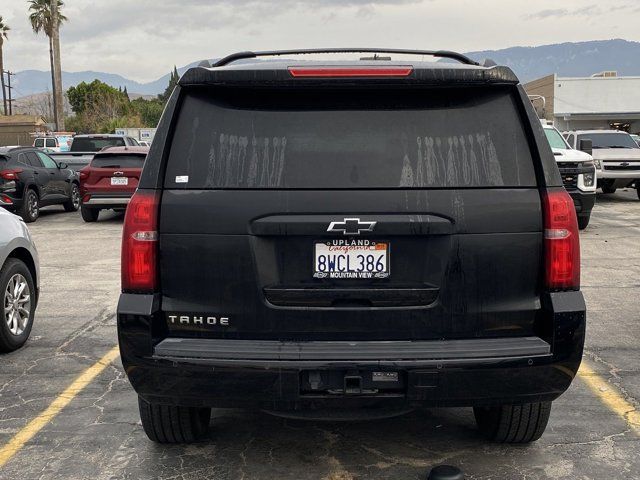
{"points": [[561, 241], [324, 72], [6, 200], [140, 243], [10, 174]]}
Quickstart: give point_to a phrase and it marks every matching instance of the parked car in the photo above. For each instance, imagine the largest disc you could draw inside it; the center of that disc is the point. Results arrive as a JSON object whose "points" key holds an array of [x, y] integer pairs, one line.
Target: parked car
{"points": [[53, 143], [578, 174], [30, 179], [109, 181], [616, 155], [49, 143], [84, 147], [341, 237], [19, 282]]}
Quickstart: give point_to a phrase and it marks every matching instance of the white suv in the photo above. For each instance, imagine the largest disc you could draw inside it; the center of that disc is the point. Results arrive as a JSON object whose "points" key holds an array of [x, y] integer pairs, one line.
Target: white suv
{"points": [[616, 155]]}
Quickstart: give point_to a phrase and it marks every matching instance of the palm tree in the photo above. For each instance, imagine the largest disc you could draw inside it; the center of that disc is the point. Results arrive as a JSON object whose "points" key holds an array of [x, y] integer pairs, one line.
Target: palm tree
{"points": [[40, 18], [4, 28]]}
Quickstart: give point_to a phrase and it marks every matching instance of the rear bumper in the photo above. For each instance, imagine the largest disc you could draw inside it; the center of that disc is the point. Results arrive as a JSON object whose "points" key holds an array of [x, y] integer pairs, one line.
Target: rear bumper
{"points": [[277, 375], [12, 204], [107, 200], [9, 198]]}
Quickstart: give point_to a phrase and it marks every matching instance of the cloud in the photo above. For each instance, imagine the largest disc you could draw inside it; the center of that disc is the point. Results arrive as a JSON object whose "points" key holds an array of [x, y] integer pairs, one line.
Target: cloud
{"points": [[144, 39], [289, 3], [552, 12], [563, 12], [150, 28], [366, 11]]}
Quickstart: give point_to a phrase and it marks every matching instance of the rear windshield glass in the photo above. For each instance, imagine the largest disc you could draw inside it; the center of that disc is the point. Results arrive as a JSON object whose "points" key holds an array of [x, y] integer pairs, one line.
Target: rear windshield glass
{"points": [[470, 137], [87, 144], [609, 140], [118, 161]]}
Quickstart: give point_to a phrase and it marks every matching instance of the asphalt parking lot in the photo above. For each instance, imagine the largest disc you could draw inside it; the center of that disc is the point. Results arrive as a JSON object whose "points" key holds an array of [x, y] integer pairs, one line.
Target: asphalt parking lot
{"points": [[594, 431]]}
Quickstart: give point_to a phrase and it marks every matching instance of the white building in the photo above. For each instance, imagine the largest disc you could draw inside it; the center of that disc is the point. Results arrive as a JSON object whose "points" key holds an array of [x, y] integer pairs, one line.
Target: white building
{"points": [[145, 134], [603, 100]]}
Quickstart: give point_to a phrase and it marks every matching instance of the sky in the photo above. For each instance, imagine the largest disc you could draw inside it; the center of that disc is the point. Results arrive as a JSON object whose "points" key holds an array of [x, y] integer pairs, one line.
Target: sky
{"points": [[143, 39]]}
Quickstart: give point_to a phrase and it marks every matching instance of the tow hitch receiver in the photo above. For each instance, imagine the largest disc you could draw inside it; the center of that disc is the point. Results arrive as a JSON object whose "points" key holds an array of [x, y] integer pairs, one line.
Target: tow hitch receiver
{"points": [[352, 385], [351, 382]]}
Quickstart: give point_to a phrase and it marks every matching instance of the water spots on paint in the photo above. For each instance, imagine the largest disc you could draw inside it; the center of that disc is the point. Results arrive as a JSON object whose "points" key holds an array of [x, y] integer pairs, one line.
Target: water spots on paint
{"points": [[430, 161], [453, 161], [242, 161]]}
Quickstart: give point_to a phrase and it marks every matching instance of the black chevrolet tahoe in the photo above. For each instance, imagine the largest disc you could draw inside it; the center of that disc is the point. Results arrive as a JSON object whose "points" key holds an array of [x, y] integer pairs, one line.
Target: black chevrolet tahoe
{"points": [[350, 238]]}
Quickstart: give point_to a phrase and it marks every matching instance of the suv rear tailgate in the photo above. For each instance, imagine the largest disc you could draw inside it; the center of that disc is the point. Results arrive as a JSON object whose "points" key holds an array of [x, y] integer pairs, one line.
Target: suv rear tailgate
{"points": [[254, 181], [114, 173]]}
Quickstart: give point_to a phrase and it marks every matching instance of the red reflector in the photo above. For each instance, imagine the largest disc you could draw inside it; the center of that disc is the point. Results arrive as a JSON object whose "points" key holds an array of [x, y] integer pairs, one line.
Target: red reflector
{"points": [[140, 243], [10, 174], [5, 199], [86, 198], [561, 241], [350, 71]]}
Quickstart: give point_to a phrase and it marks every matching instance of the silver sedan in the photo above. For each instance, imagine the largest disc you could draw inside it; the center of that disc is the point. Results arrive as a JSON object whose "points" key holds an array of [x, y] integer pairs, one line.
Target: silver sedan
{"points": [[19, 275]]}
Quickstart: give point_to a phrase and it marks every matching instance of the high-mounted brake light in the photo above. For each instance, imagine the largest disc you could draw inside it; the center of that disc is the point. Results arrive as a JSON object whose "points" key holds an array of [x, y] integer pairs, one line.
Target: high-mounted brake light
{"points": [[338, 72], [561, 241], [10, 174], [140, 243]]}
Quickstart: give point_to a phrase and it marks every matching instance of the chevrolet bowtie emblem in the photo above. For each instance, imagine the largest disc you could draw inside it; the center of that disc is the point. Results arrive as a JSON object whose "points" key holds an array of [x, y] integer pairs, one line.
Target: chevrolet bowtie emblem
{"points": [[351, 226]]}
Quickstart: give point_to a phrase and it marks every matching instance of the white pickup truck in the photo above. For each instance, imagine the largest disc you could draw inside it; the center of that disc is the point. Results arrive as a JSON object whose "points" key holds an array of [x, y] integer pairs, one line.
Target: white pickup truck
{"points": [[84, 147], [616, 155], [578, 174]]}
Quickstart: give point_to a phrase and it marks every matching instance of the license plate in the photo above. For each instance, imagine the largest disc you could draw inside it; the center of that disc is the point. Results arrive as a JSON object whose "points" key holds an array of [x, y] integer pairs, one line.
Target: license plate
{"points": [[119, 181], [351, 259]]}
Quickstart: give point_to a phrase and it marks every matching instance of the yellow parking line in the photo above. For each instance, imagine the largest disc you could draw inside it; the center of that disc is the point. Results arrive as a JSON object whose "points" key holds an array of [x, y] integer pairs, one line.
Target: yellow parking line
{"points": [[610, 396], [34, 426]]}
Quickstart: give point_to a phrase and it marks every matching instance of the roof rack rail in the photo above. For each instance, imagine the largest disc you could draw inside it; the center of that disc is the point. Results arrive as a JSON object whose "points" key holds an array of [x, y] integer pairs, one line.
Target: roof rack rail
{"points": [[275, 53]]}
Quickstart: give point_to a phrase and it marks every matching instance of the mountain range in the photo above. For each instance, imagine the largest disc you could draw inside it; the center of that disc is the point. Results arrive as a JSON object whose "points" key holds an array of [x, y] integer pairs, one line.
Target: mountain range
{"points": [[565, 59]]}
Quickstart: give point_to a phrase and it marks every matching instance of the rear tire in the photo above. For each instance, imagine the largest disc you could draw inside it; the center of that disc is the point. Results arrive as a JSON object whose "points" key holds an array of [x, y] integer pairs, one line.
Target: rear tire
{"points": [[583, 221], [89, 215], [73, 204], [171, 424], [30, 209], [513, 423]]}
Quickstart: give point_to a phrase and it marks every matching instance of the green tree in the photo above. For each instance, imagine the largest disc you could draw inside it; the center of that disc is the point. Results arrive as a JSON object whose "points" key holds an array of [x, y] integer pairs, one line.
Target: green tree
{"points": [[41, 21], [173, 81], [88, 95], [4, 29], [149, 111], [100, 108]]}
